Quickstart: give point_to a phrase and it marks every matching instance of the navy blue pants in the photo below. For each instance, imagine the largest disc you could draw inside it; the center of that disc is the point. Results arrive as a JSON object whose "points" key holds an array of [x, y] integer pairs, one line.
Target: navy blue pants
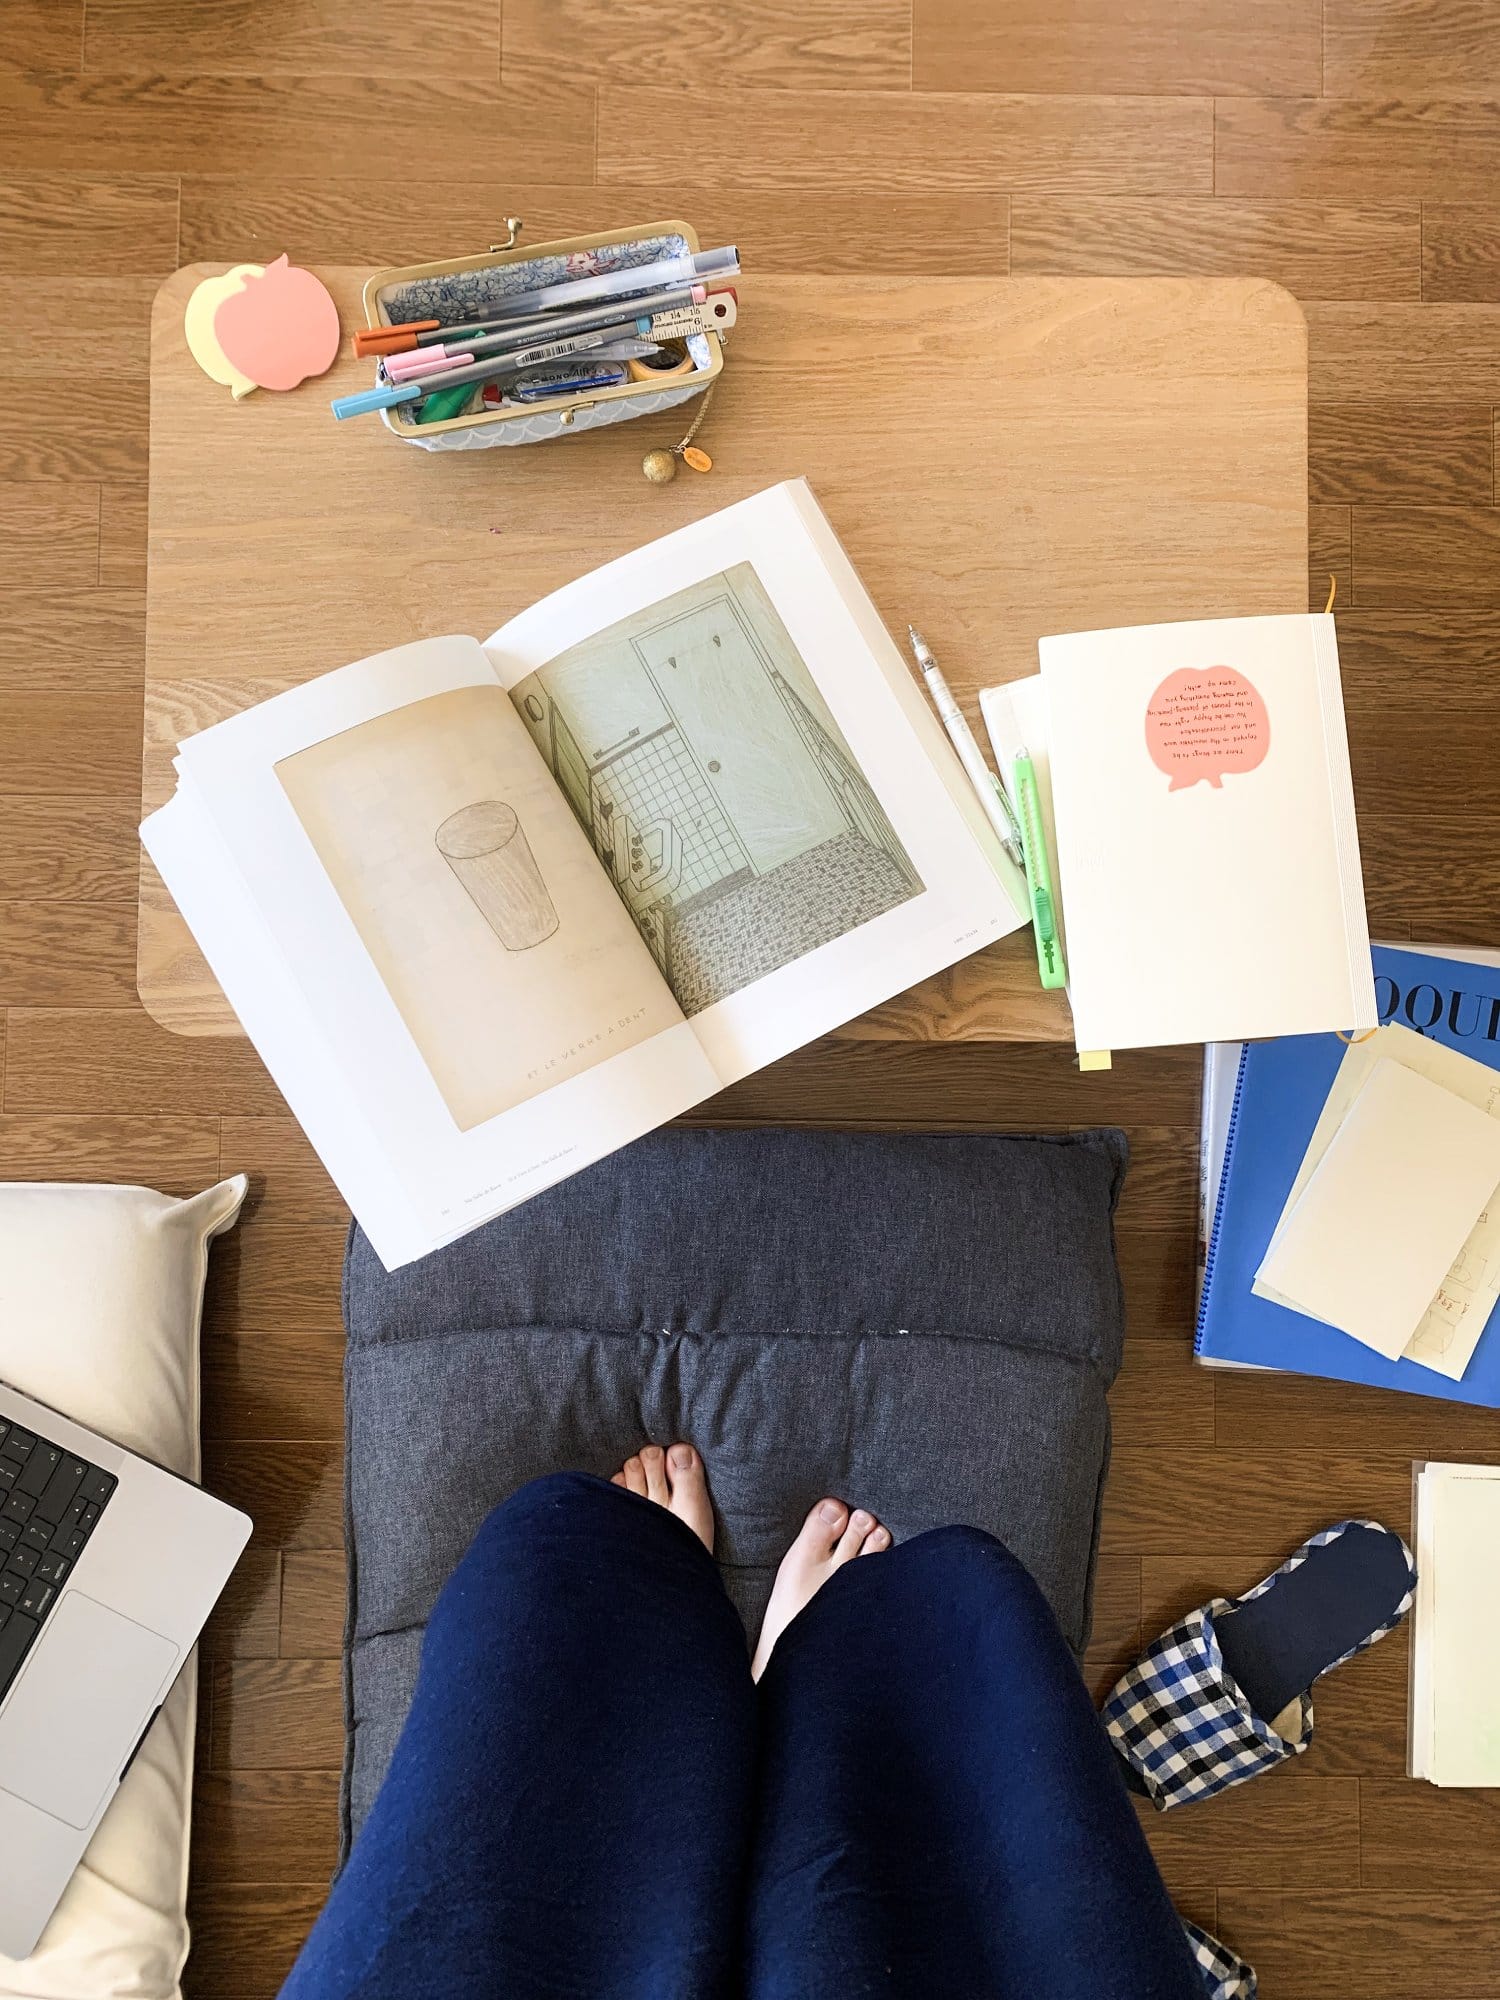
{"points": [[592, 1801]]}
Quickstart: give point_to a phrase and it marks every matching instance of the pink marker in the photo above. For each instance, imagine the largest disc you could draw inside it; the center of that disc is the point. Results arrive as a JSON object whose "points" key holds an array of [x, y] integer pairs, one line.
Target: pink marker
{"points": [[424, 361]]}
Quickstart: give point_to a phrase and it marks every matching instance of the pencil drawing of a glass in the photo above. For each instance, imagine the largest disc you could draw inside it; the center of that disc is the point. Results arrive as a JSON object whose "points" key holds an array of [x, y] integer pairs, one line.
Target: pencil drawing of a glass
{"points": [[488, 851]]}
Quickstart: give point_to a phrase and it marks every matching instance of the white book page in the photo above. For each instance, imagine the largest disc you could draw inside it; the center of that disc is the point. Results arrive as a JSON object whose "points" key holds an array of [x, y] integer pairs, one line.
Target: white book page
{"points": [[760, 776], [1205, 826], [1388, 1207], [464, 966]]}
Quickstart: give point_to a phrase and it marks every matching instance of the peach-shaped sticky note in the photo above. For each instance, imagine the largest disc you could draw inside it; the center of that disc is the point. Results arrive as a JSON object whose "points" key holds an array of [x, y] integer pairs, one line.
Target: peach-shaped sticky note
{"points": [[280, 327], [198, 326], [1204, 722]]}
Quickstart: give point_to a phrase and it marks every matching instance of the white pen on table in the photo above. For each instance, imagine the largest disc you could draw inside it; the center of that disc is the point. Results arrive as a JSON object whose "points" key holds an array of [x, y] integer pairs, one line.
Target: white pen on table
{"points": [[991, 792]]}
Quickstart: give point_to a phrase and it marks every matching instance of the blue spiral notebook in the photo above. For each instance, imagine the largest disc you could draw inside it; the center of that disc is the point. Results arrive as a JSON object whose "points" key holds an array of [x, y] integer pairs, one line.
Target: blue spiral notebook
{"points": [[1278, 1093]]}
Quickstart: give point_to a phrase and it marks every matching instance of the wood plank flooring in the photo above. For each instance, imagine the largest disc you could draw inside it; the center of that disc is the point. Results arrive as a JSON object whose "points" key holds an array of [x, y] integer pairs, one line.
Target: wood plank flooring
{"points": [[1348, 149]]}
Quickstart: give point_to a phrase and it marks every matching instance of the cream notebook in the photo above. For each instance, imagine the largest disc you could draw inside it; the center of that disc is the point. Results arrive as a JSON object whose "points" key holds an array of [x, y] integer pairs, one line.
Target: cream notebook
{"points": [[1450, 1328], [1387, 1209], [1206, 838]]}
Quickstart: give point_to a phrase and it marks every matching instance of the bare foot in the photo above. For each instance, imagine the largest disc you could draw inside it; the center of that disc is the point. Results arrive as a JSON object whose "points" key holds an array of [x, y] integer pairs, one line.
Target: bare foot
{"points": [[675, 1480], [830, 1537]]}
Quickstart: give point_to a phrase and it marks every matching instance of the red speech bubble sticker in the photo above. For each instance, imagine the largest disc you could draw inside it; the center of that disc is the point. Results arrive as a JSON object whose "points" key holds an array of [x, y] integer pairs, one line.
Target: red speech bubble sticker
{"points": [[1203, 722]]}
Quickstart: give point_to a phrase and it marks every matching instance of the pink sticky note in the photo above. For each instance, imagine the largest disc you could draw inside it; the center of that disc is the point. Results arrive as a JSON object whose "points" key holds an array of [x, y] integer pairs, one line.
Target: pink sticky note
{"points": [[280, 328], [1204, 722]]}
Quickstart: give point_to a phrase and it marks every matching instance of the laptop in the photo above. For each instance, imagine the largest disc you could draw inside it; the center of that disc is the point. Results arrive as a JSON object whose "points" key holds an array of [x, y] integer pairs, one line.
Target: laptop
{"points": [[109, 1567]]}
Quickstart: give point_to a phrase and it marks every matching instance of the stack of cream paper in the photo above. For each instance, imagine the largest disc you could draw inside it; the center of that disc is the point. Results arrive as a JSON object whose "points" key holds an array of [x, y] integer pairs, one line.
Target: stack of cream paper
{"points": [[1391, 1231], [1199, 814], [1455, 1680], [1206, 842]]}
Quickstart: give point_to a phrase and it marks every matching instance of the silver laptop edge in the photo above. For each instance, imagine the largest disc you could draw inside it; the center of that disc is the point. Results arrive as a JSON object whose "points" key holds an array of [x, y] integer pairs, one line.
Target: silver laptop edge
{"points": [[110, 1647]]}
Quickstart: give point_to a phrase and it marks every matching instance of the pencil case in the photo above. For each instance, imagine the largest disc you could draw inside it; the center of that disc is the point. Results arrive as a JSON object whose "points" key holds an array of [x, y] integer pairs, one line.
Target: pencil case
{"points": [[468, 288]]}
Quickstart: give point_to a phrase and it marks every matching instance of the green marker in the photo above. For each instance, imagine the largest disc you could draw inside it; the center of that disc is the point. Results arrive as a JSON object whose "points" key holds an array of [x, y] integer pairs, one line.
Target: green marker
{"points": [[441, 404], [1049, 956]]}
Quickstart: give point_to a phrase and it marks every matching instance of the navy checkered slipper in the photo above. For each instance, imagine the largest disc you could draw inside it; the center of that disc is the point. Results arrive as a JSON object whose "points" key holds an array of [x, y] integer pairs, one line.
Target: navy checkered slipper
{"points": [[1227, 1692], [1225, 1974]]}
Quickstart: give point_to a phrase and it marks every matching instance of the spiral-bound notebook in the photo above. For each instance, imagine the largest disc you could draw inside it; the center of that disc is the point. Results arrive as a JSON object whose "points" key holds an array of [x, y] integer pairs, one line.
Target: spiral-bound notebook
{"points": [[1262, 1103]]}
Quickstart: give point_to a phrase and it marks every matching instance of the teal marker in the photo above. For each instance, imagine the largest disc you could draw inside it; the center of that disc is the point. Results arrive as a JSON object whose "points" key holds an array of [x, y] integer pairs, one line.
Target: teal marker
{"points": [[1049, 957]]}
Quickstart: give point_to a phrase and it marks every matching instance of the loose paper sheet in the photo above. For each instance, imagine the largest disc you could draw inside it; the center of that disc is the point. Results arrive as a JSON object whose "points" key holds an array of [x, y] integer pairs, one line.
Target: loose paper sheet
{"points": [[1381, 1220], [1450, 1329]]}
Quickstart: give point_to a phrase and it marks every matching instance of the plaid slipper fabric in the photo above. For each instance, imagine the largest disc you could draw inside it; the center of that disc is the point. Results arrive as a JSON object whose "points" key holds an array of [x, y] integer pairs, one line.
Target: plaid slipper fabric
{"points": [[1225, 1974], [1181, 1722]]}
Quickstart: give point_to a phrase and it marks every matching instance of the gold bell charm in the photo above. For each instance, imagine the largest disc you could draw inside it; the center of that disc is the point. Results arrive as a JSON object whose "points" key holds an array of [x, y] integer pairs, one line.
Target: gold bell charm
{"points": [[660, 467]]}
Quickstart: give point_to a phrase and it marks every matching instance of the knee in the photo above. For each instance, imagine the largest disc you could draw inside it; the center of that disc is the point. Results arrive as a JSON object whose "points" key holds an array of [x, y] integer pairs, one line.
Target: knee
{"points": [[553, 1504], [965, 1548], [974, 1566], [521, 1547]]}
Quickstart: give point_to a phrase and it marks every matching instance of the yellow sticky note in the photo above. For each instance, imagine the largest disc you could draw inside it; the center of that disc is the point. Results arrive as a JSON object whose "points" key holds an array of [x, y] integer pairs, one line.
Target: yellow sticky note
{"points": [[1094, 1059], [198, 325]]}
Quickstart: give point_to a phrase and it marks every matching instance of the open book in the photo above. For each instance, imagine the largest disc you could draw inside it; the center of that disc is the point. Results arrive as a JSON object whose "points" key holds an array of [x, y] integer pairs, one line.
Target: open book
{"points": [[490, 911]]}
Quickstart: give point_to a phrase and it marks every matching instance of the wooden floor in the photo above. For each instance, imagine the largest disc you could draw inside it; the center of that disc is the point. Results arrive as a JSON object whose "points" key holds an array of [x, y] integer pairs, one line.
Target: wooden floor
{"points": [[1348, 148]]}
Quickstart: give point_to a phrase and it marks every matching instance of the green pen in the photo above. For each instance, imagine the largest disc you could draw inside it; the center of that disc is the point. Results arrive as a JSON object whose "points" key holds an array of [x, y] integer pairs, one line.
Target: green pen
{"points": [[1049, 956]]}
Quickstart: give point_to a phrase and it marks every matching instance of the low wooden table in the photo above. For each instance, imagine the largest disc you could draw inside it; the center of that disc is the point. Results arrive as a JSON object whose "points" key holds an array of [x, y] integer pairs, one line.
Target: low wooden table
{"points": [[1003, 457]]}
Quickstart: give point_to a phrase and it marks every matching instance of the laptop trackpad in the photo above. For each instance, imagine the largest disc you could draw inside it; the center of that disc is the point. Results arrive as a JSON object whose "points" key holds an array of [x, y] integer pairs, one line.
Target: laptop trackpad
{"points": [[79, 1707]]}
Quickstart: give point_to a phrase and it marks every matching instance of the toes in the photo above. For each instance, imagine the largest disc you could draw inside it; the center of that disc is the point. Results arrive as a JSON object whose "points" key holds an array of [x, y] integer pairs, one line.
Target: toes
{"points": [[852, 1540], [878, 1539], [825, 1524], [635, 1476], [654, 1459], [618, 1479], [681, 1460]]}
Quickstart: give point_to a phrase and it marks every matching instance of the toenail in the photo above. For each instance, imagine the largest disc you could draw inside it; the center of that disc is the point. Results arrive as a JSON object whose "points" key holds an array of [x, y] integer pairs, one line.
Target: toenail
{"points": [[862, 1520], [681, 1456], [829, 1511]]}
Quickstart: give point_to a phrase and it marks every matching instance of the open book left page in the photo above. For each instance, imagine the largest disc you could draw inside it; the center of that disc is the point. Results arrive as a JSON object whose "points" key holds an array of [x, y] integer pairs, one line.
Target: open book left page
{"points": [[418, 938]]}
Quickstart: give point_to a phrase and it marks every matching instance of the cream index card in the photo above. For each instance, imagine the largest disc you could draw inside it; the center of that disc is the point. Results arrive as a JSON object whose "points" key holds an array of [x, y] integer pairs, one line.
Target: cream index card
{"points": [[1455, 1710], [1377, 1227]]}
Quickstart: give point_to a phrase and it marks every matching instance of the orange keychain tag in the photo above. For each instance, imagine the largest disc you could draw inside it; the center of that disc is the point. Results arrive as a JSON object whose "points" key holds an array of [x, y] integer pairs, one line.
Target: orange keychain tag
{"points": [[699, 460]]}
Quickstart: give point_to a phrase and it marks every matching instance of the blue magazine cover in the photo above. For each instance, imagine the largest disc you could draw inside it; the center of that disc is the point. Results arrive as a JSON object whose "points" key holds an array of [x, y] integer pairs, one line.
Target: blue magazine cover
{"points": [[1278, 1097]]}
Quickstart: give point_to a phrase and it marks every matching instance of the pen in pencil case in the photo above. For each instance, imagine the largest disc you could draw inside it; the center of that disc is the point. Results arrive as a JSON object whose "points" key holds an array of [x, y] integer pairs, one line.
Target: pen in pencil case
{"points": [[530, 357], [423, 333], [527, 332], [684, 270], [597, 373], [428, 362], [386, 395]]}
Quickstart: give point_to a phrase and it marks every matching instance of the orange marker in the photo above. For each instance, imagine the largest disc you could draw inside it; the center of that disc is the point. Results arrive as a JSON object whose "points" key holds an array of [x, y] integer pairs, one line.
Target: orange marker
{"points": [[392, 339]]}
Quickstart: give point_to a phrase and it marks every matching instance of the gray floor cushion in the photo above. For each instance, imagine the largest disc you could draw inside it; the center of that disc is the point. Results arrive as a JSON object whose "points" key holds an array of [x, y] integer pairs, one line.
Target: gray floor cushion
{"points": [[924, 1325]]}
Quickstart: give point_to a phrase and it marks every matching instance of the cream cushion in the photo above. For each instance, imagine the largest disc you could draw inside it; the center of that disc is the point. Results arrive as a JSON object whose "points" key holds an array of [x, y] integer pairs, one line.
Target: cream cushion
{"points": [[101, 1289]]}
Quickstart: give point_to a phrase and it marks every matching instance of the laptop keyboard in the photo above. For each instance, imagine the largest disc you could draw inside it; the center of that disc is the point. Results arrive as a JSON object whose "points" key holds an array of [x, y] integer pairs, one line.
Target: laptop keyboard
{"points": [[50, 1502]]}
